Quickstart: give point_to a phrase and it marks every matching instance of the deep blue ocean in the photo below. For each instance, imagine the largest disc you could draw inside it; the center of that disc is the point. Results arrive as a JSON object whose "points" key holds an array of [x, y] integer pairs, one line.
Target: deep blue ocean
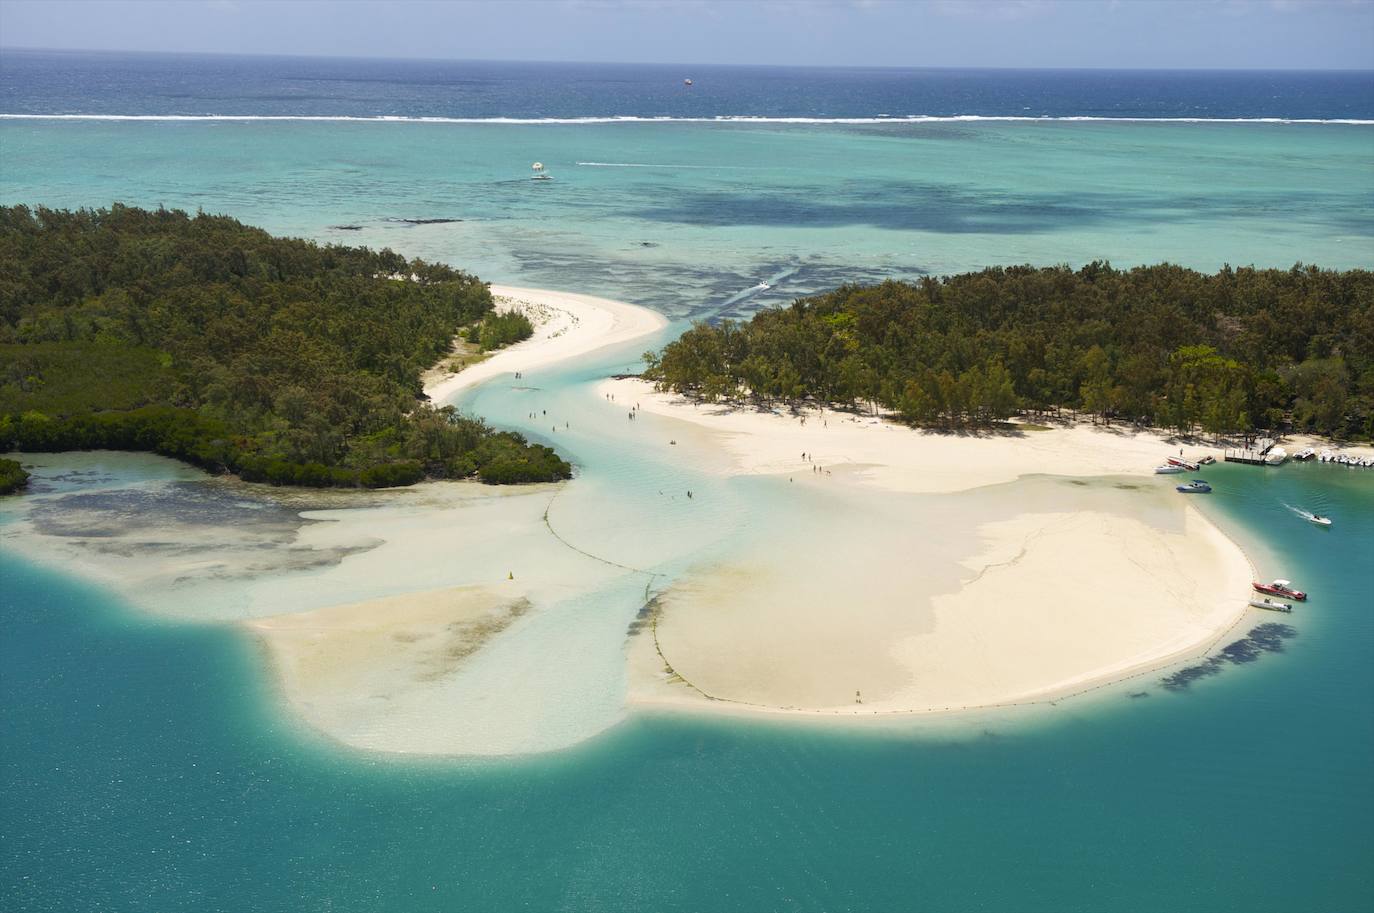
{"points": [[46, 82], [149, 765]]}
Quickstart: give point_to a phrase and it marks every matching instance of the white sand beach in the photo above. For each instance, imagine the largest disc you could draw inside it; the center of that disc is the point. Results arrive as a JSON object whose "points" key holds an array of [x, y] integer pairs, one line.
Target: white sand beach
{"points": [[894, 457], [1049, 601], [898, 572], [566, 325], [1048, 605]]}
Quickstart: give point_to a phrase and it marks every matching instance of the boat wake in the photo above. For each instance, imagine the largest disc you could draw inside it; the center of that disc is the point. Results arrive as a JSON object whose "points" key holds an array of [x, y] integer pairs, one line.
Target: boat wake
{"points": [[765, 285], [669, 167], [1309, 516]]}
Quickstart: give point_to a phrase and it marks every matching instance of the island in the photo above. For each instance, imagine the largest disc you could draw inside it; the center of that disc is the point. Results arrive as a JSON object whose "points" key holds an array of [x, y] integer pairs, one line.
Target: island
{"points": [[996, 534], [212, 342]]}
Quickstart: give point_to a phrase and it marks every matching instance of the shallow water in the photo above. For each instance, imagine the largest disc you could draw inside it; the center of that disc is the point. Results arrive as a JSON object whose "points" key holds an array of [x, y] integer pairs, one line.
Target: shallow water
{"points": [[149, 765], [187, 785]]}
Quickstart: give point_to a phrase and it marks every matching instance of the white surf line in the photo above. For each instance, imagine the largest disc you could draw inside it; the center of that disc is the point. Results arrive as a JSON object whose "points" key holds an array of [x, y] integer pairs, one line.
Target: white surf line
{"points": [[718, 119]]}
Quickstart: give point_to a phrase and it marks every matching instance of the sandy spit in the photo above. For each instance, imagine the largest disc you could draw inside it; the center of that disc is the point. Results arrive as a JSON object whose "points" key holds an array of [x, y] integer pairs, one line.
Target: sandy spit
{"points": [[567, 325]]}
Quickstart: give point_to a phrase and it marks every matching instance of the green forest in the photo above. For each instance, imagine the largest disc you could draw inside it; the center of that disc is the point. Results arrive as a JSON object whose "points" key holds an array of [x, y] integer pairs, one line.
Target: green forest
{"points": [[497, 331], [13, 476], [1226, 353], [213, 342]]}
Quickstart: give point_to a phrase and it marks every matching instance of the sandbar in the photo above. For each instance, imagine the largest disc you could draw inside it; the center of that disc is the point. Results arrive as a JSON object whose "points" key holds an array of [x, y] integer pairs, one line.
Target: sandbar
{"points": [[566, 325], [1056, 593]]}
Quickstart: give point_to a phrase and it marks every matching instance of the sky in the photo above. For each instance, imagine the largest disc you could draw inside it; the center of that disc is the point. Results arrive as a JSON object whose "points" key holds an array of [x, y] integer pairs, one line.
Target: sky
{"points": [[1264, 34]]}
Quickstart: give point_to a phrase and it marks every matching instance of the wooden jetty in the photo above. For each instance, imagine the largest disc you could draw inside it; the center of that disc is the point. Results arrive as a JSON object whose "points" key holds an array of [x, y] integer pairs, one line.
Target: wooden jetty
{"points": [[1251, 456]]}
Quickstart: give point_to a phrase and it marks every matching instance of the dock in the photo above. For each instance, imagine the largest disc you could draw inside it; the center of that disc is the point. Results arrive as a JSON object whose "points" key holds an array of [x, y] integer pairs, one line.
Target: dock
{"points": [[1255, 456], [1252, 457]]}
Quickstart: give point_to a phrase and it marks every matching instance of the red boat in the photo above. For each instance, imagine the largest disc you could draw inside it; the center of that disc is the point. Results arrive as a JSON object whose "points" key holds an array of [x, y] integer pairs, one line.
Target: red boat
{"points": [[1186, 464], [1281, 588]]}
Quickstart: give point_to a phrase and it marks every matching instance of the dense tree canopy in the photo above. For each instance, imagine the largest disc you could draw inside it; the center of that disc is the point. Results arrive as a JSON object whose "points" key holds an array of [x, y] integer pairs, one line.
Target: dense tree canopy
{"points": [[1162, 345], [12, 476], [214, 342], [499, 330]]}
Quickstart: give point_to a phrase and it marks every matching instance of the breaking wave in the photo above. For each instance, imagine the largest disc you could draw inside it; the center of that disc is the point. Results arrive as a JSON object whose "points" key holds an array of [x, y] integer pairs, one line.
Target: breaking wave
{"points": [[722, 118]]}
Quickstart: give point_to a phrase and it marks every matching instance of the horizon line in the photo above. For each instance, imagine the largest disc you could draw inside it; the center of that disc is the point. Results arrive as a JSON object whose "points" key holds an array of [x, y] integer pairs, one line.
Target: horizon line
{"points": [[680, 64]]}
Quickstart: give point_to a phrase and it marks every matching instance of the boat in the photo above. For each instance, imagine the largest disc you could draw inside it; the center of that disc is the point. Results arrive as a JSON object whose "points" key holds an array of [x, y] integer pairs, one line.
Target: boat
{"points": [[1271, 605], [1276, 456], [686, 82], [1207, 460], [1186, 464], [1345, 459], [1305, 453], [1281, 588], [1319, 519], [1197, 486], [1167, 469], [538, 173]]}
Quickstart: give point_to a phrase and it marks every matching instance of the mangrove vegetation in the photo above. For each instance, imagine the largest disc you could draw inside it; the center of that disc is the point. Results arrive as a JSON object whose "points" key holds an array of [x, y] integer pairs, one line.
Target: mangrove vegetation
{"points": [[213, 342], [1225, 353]]}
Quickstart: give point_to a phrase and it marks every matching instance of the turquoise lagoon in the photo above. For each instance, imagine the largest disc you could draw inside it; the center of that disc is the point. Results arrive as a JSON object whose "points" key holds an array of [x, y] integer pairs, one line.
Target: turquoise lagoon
{"points": [[148, 764]]}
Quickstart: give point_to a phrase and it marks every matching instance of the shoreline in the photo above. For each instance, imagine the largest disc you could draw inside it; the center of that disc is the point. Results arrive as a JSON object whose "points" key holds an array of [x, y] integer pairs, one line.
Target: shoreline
{"points": [[1050, 697], [848, 452], [897, 570], [661, 681], [566, 325], [873, 451]]}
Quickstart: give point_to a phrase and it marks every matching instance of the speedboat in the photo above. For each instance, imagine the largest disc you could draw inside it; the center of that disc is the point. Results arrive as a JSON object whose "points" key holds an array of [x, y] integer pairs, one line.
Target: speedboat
{"points": [[1320, 520], [1281, 588], [1207, 460], [1186, 464], [1197, 486], [1167, 469], [1305, 453], [1271, 605]]}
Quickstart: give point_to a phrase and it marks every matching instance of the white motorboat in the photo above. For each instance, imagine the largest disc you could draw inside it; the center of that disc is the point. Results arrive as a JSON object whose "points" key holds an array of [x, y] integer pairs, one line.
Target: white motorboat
{"points": [[1168, 469], [1271, 604]]}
